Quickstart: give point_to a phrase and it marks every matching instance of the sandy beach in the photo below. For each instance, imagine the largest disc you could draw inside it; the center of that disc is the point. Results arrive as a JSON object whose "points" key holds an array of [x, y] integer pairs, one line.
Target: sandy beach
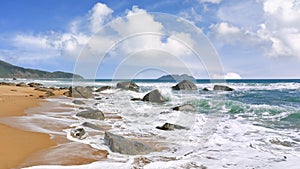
{"points": [[16, 145]]}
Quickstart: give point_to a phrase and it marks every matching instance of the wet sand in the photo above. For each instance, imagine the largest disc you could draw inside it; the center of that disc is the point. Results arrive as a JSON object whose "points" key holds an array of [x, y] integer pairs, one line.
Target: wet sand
{"points": [[15, 144], [19, 148]]}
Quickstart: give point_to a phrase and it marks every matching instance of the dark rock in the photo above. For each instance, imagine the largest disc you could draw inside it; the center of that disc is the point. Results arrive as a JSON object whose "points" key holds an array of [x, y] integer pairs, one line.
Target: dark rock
{"points": [[136, 99], [22, 84], [92, 126], [283, 143], [91, 114], [128, 86], [103, 88], [49, 93], [223, 88], [14, 78], [79, 133], [154, 96], [185, 85], [7, 84], [205, 89], [32, 84], [169, 126], [79, 92], [78, 102], [125, 146], [186, 107]]}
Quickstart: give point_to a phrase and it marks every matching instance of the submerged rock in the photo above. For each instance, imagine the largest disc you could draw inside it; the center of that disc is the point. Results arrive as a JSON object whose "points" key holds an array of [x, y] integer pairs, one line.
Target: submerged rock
{"points": [[103, 88], [79, 133], [186, 107], [283, 143], [185, 85], [154, 96], [223, 88], [128, 86], [92, 126], [169, 126], [91, 114], [125, 146], [78, 102], [205, 89]]}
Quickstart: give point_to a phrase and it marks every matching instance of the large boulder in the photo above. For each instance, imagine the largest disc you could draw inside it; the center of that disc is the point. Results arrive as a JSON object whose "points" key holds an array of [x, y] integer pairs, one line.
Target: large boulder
{"points": [[223, 88], [103, 88], [128, 86], [185, 85], [154, 96], [169, 126], [125, 146], [80, 92], [92, 126], [91, 114], [185, 107]]}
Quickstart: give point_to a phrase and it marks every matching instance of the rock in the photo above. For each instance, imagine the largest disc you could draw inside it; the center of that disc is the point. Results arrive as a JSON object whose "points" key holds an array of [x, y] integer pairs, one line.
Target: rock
{"points": [[154, 96], [43, 89], [205, 89], [186, 107], [185, 85], [169, 126], [103, 88], [78, 102], [92, 126], [22, 84], [32, 84], [91, 114], [283, 143], [14, 78], [79, 133], [125, 146], [136, 99], [223, 88], [7, 84], [128, 86], [79, 92], [49, 93]]}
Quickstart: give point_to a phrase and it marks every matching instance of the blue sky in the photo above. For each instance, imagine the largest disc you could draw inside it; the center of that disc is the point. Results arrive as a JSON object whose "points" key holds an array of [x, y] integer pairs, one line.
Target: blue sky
{"points": [[254, 38]]}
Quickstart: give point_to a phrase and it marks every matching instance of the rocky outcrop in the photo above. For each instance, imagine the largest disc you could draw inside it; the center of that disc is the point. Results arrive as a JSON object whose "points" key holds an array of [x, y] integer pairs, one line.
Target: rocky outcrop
{"points": [[33, 84], [122, 145], [223, 88], [128, 86], [79, 92], [7, 84], [91, 114], [103, 88], [169, 126], [22, 84], [185, 107], [154, 96], [185, 85]]}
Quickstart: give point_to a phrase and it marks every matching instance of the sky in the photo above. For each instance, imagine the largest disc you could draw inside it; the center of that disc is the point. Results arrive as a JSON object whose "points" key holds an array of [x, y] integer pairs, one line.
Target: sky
{"points": [[104, 39]]}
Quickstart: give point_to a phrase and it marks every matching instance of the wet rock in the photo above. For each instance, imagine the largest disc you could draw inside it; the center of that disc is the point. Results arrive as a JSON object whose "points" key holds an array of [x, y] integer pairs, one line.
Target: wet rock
{"points": [[92, 126], [7, 84], [128, 86], [223, 88], [185, 85], [32, 84], [78, 102], [205, 89], [79, 133], [169, 126], [154, 96], [103, 88], [125, 146], [91, 114], [186, 107], [79, 92], [22, 84], [49, 93]]}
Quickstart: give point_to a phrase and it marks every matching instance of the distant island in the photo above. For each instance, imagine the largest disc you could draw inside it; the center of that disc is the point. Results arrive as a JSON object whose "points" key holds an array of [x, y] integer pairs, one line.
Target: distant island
{"points": [[8, 70], [176, 77]]}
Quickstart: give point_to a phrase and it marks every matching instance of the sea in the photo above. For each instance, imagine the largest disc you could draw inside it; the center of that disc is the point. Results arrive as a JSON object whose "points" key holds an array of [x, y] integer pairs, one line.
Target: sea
{"points": [[256, 126]]}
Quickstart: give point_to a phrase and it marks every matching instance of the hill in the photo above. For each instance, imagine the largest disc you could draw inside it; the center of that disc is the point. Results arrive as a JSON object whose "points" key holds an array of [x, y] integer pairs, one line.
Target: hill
{"points": [[8, 70], [175, 77]]}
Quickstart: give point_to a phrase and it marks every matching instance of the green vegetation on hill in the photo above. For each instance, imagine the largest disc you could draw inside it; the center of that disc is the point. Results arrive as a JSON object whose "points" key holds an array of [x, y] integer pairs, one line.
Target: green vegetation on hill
{"points": [[10, 71]]}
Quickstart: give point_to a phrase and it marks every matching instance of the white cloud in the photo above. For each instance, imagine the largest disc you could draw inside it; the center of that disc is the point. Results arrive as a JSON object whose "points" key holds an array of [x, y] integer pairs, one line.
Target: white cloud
{"points": [[98, 15], [230, 75], [211, 1]]}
